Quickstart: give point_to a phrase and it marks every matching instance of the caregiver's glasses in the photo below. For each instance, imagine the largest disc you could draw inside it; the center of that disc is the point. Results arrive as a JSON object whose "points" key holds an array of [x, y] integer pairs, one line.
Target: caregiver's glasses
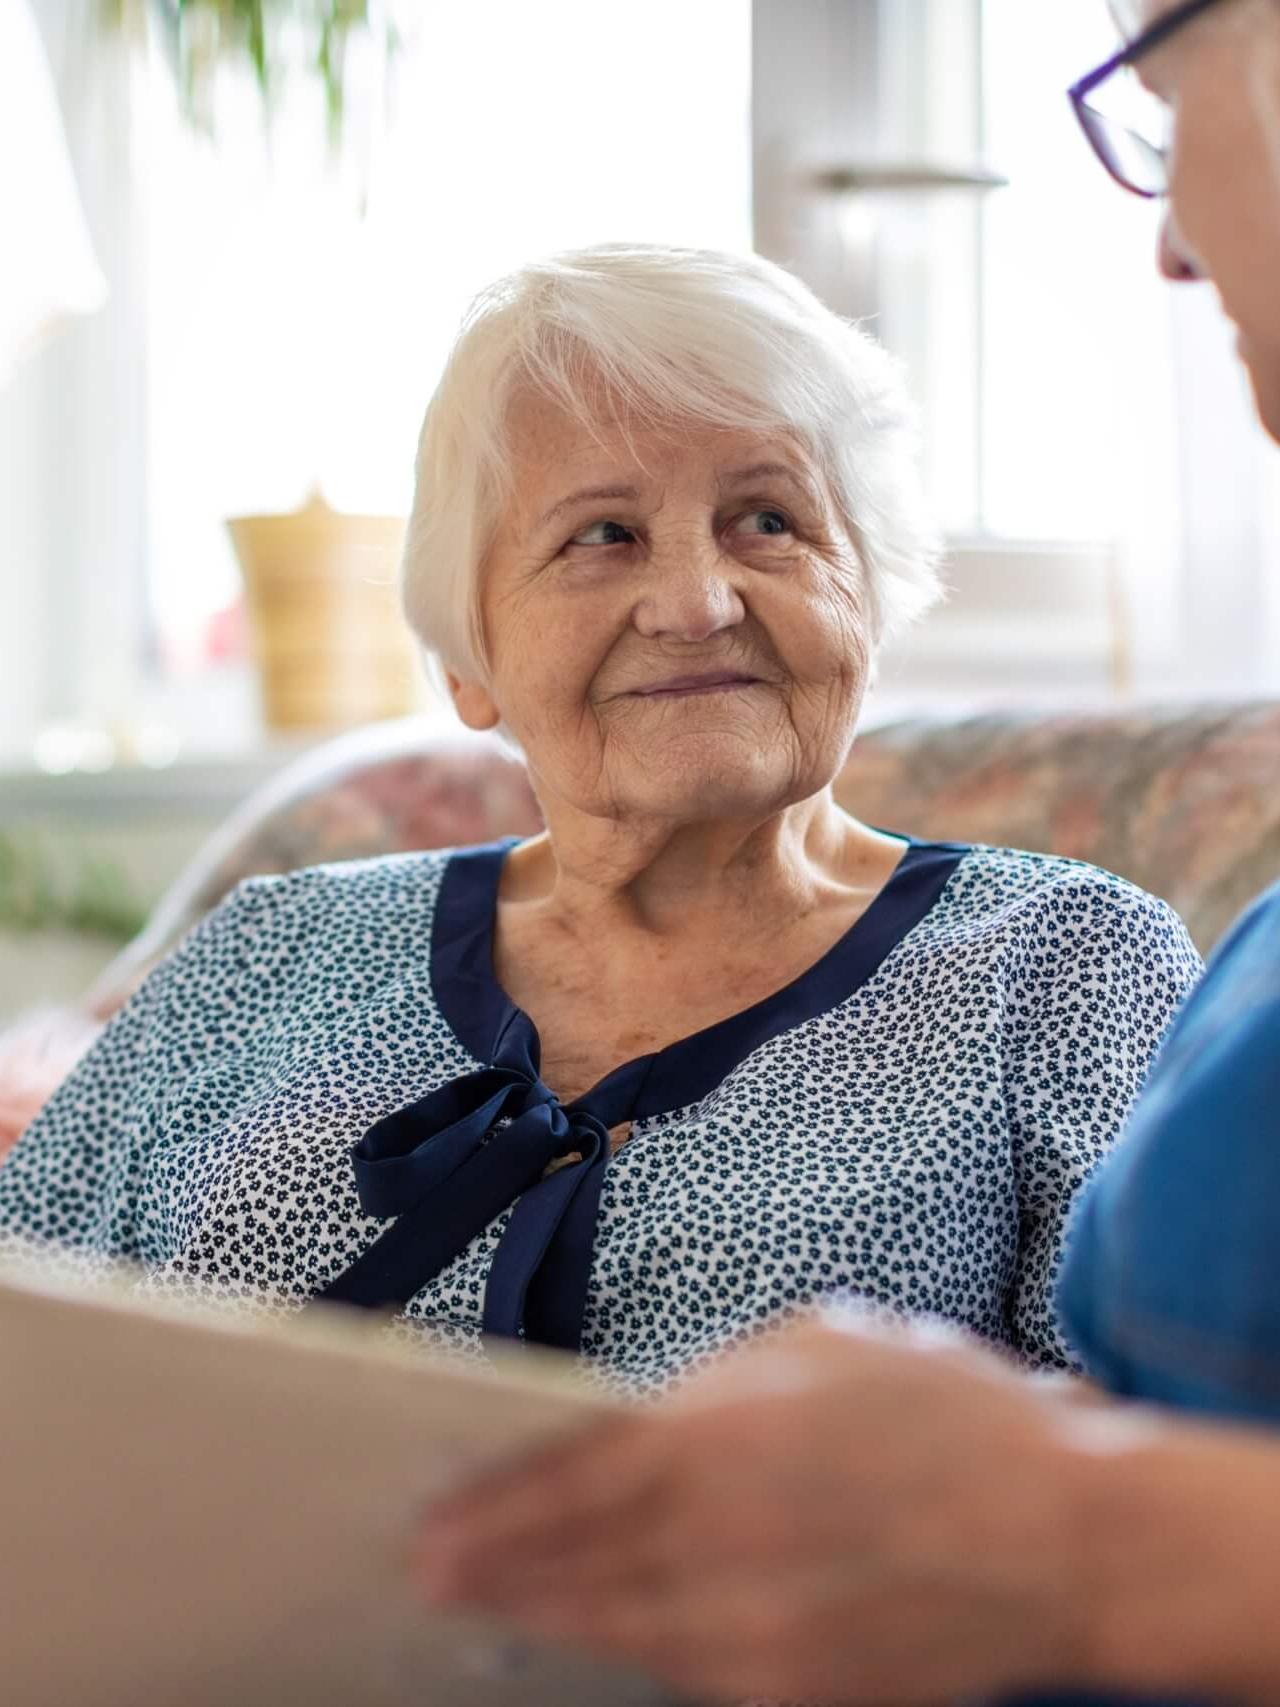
{"points": [[1132, 145]]}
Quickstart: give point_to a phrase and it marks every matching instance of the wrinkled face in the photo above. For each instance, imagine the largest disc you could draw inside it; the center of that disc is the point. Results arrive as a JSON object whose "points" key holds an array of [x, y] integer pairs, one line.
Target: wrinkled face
{"points": [[1220, 76], [676, 623]]}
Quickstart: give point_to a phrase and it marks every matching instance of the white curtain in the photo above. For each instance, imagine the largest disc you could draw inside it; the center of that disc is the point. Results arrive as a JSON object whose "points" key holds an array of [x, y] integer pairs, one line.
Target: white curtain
{"points": [[72, 417], [50, 271]]}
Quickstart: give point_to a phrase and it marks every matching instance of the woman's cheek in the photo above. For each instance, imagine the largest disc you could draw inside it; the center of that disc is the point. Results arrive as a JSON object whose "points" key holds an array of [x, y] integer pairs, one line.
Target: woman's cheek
{"points": [[557, 662], [850, 613], [829, 634]]}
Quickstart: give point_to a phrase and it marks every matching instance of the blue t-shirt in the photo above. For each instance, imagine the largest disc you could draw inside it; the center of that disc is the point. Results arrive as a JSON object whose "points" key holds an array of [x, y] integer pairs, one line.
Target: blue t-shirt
{"points": [[1171, 1288]]}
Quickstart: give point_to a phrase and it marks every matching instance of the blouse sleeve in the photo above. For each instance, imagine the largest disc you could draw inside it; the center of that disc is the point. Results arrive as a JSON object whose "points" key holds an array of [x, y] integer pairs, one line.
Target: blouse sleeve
{"points": [[73, 1176], [1105, 968]]}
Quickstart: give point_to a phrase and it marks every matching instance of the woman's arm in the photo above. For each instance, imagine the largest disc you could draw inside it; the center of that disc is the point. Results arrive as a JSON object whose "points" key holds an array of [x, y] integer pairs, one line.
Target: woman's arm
{"points": [[1101, 971], [72, 1177]]}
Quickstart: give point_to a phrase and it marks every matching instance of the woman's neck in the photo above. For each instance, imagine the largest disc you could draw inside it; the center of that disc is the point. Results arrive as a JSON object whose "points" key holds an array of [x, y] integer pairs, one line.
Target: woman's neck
{"points": [[654, 878]]}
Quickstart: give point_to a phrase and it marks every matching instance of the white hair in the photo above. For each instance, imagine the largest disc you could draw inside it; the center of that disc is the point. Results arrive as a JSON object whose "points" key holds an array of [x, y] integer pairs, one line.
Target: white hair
{"points": [[673, 336]]}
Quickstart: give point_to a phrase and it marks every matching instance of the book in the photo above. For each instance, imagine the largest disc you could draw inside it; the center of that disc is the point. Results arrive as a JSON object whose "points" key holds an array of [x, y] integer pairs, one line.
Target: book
{"points": [[204, 1509]]}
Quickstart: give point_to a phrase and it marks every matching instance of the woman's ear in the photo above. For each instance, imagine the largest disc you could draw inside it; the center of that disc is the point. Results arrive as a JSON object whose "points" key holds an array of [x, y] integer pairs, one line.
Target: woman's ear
{"points": [[472, 703]]}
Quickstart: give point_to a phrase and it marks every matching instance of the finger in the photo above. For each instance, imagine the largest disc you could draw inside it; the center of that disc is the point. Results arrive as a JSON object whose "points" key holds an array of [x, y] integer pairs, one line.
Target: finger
{"points": [[810, 1636], [623, 1560], [725, 1638], [656, 1498], [559, 1505], [571, 1477], [697, 1511], [669, 1533]]}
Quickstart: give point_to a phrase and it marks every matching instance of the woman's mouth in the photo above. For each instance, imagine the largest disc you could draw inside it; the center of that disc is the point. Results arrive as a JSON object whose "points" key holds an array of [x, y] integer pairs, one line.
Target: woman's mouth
{"points": [[719, 681]]}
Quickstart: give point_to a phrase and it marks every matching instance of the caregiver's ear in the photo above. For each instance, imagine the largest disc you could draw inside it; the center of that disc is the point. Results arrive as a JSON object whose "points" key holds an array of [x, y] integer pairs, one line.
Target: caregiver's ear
{"points": [[472, 703]]}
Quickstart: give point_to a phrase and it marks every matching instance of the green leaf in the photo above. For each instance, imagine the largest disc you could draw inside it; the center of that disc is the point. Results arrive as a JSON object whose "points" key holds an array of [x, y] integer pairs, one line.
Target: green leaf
{"points": [[250, 31], [44, 886]]}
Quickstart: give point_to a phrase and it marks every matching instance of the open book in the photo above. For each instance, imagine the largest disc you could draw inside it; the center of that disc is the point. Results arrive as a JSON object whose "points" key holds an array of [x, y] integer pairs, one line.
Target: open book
{"points": [[199, 1511]]}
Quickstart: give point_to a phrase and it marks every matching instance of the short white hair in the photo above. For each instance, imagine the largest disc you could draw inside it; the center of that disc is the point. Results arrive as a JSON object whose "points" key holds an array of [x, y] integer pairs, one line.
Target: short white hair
{"points": [[672, 336]]}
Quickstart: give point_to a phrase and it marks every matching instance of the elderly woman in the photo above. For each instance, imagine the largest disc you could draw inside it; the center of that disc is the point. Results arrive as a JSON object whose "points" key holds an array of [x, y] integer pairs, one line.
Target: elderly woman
{"points": [[708, 1049]]}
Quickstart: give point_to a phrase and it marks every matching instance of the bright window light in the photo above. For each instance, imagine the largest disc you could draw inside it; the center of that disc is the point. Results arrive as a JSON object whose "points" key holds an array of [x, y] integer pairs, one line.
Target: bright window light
{"points": [[294, 339], [1076, 351]]}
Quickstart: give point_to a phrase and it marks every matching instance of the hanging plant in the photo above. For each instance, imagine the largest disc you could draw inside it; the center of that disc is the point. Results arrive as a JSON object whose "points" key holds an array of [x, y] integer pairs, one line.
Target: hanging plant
{"points": [[270, 37]]}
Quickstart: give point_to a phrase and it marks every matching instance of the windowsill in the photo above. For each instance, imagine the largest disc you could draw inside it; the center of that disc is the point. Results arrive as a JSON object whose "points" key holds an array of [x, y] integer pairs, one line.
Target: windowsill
{"points": [[206, 785], [214, 783]]}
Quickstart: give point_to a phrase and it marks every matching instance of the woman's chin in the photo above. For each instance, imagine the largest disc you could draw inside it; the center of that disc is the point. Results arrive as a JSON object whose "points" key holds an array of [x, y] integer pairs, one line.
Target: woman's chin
{"points": [[711, 776]]}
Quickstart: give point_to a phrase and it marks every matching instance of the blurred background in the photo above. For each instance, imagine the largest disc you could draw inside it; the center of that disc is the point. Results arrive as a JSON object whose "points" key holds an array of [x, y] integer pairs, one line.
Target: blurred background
{"points": [[238, 236]]}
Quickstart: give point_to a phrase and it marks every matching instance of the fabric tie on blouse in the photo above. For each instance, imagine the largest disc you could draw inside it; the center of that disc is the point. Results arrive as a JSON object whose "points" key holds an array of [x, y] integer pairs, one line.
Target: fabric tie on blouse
{"points": [[443, 1168]]}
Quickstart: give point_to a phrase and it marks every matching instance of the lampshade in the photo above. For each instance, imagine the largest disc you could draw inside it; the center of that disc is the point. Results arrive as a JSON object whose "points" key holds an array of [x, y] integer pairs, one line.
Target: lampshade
{"points": [[49, 271]]}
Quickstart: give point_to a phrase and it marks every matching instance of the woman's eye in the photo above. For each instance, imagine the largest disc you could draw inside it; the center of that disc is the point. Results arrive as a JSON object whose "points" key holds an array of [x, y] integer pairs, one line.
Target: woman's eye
{"points": [[603, 533], [762, 522]]}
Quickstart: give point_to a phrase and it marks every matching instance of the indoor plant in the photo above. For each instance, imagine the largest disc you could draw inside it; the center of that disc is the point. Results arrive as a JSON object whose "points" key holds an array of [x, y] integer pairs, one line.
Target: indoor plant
{"points": [[268, 36]]}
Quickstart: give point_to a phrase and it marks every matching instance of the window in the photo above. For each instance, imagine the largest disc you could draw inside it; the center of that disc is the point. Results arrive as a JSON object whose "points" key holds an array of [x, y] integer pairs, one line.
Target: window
{"points": [[1075, 331], [1088, 444], [275, 327], [298, 320], [1029, 314]]}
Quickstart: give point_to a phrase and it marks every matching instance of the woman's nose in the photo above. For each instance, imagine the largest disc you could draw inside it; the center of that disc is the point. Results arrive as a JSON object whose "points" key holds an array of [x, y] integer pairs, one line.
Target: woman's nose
{"points": [[1176, 259], [691, 597]]}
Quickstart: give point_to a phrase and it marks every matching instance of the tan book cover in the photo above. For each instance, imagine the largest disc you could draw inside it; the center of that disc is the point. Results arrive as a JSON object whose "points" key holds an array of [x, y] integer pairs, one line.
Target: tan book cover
{"points": [[206, 1510]]}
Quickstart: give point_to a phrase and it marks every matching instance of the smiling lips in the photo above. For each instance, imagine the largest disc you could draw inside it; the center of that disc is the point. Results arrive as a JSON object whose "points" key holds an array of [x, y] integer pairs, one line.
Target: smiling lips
{"points": [[721, 681]]}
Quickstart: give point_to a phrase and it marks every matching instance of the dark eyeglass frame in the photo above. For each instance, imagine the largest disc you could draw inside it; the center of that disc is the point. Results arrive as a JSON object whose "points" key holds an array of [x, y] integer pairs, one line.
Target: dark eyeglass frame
{"points": [[1092, 123]]}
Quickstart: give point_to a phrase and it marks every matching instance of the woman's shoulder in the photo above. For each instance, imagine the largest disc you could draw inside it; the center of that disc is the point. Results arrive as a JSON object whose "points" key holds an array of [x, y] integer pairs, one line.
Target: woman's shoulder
{"points": [[1072, 946], [1060, 899], [343, 884], [345, 888], [275, 937], [1022, 871]]}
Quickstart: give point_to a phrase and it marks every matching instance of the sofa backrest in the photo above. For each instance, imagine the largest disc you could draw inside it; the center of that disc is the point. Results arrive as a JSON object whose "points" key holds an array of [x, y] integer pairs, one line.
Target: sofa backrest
{"points": [[1184, 800]]}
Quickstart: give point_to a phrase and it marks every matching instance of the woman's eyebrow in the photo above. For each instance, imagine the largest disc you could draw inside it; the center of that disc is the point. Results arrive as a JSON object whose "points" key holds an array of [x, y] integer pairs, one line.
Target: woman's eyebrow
{"points": [[734, 477], [585, 495], [765, 471]]}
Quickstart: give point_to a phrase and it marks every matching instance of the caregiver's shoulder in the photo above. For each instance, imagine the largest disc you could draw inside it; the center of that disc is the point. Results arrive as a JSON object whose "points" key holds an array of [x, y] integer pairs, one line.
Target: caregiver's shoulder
{"points": [[1236, 1013]]}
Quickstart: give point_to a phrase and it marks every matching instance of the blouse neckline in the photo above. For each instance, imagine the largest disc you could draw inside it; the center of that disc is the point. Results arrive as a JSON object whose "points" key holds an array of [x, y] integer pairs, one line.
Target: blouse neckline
{"points": [[491, 1027]]}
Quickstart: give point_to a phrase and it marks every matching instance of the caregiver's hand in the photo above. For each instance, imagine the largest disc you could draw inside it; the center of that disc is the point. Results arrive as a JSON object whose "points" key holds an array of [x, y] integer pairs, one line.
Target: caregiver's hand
{"points": [[842, 1513]]}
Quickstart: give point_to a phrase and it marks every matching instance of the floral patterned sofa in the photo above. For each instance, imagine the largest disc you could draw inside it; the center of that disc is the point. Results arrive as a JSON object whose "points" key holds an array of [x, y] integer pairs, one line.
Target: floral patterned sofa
{"points": [[1184, 800]]}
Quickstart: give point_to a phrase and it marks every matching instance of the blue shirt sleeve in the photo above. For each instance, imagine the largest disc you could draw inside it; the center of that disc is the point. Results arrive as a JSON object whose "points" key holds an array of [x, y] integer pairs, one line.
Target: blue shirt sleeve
{"points": [[1171, 1287]]}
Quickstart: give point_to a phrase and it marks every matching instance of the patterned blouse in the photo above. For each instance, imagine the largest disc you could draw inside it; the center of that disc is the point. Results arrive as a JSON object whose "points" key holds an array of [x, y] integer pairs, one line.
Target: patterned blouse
{"points": [[325, 1092]]}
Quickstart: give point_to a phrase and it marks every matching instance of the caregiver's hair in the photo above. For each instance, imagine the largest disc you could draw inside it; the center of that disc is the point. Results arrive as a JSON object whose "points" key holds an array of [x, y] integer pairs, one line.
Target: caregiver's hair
{"points": [[674, 338]]}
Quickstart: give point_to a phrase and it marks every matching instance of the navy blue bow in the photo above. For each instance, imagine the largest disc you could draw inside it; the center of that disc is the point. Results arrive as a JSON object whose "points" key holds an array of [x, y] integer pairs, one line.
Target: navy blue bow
{"points": [[444, 1167]]}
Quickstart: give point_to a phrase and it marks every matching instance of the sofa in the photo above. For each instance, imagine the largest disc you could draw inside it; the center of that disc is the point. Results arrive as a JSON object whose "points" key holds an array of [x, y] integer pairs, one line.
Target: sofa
{"points": [[1183, 800]]}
